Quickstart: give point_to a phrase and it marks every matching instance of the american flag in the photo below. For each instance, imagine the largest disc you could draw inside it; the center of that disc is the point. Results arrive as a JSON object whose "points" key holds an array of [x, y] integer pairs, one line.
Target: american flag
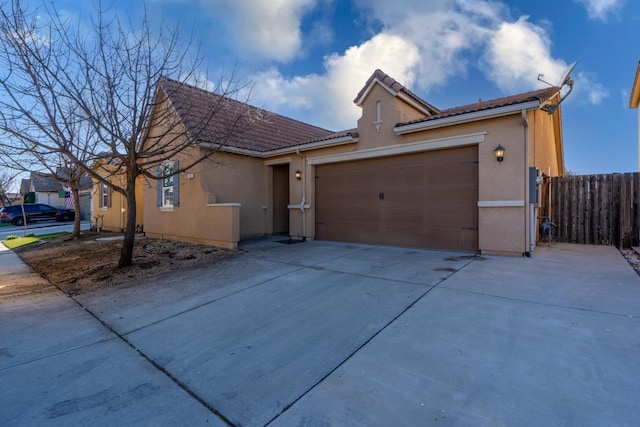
{"points": [[68, 201]]}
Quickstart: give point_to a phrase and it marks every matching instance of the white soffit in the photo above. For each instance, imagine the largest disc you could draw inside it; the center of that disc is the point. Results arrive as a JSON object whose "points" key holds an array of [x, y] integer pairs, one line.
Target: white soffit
{"points": [[281, 161]]}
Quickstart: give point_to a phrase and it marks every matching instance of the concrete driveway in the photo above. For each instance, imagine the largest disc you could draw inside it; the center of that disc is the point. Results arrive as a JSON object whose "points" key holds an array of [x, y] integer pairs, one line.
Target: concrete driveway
{"points": [[320, 334]]}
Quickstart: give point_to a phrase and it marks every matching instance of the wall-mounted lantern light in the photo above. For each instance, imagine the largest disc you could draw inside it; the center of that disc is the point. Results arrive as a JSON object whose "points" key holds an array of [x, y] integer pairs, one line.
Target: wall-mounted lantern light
{"points": [[499, 153], [298, 175]]}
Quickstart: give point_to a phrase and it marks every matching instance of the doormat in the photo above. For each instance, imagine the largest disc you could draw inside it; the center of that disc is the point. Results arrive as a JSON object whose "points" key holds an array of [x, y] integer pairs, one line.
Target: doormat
{"points": [[289, 241]]}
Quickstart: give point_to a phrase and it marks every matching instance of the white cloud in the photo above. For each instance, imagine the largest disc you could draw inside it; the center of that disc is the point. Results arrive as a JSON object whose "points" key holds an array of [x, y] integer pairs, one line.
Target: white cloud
{"points": [[328, 98], [264, 29], [599, 9], [424, 45], [444, 31], [516, 53]]}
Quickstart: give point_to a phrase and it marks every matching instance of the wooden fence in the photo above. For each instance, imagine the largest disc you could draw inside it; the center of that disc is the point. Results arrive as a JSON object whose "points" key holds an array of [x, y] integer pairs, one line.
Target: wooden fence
{"points": [[595, 209]]}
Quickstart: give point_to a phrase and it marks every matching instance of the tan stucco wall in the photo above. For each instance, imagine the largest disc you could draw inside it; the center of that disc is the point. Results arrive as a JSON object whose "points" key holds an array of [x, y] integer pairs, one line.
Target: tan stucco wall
{"points": [[233, 178], [542, 152], [210, 195]]}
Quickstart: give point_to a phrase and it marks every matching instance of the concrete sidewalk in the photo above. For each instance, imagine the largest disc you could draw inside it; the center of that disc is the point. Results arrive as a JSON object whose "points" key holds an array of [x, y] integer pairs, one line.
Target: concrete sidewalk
{"points": [[322, 333], [17, 277]]}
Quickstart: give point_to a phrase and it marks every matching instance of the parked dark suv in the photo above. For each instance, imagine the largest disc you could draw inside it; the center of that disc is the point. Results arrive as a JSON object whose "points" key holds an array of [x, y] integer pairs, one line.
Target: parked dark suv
{"points": [[35, 212]]}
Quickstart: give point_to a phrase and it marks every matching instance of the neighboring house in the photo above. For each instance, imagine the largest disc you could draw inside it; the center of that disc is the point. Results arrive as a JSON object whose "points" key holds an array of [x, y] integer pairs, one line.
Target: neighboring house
{"points": [[109, 208], [408, 175], [44, 188], [11, 199], [635, 101]]}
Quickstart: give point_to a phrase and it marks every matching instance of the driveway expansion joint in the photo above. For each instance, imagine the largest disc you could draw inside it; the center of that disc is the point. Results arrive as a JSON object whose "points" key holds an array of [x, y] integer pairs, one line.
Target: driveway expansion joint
{"points": [[545, 304]]}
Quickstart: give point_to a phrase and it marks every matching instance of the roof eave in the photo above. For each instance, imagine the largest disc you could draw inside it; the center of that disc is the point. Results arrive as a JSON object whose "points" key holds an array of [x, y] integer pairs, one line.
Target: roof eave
{"points": [[466, 117], [343, 140]]}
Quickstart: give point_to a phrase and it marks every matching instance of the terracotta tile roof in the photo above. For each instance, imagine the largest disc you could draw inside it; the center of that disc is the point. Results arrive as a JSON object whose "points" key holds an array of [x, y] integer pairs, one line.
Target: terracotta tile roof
{"points": [[236, 124], [536, 95], [396, 87]]}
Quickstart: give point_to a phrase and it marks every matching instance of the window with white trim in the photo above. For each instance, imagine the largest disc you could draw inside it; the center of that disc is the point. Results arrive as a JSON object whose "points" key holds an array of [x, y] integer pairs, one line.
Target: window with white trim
{"points": [[105, 192], [168, 189], [167, 185]]}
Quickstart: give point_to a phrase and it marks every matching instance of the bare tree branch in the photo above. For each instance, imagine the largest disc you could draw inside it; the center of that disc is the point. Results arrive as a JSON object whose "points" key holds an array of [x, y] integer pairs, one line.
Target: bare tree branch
{"points": [[72, 96]]}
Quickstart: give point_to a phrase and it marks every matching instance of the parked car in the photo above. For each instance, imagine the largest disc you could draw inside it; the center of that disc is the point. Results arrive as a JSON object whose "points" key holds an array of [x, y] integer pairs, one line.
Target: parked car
{"points": [[35, 212]]}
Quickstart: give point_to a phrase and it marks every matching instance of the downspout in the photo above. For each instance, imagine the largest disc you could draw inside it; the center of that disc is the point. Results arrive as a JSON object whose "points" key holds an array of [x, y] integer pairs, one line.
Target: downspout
{"points": [[527, 216], [304, 189]]}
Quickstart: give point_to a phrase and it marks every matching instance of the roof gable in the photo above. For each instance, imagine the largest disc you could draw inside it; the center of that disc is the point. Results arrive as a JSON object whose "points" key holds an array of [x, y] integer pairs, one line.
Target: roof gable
{"points": [[396, 89]]}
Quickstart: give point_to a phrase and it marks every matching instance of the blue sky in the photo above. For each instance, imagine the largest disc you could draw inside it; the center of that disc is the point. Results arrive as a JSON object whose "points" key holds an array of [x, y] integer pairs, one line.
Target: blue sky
{"points": [[307, 59]]}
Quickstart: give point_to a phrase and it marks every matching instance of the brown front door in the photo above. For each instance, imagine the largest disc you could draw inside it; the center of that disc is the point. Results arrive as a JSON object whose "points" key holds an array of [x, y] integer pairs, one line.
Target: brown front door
{"points": [[281, 199], [426, 200]]}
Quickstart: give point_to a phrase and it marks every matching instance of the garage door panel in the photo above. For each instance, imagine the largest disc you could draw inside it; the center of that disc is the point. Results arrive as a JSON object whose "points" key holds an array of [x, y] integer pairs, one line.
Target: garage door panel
{"points": [[347, 183], [350, 216], [347, 199], [452, 196], [357, 233], [422, 200]]}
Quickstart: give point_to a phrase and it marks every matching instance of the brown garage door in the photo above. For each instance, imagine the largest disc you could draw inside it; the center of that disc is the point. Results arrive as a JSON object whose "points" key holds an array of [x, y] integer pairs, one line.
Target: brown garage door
{"points": [[425, 200]]}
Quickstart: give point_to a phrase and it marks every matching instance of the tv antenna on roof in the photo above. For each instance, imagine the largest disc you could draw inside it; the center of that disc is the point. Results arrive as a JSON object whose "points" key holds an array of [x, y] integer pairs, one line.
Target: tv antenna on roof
{"points": [[565, 80]]}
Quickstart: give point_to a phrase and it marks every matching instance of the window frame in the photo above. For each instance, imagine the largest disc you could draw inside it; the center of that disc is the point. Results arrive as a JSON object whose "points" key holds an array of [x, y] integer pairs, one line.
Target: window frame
{"points": [[167, 186], [104, 195]]}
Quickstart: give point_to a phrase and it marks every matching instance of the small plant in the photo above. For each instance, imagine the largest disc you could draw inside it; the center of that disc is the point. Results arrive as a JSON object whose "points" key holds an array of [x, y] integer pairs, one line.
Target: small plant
{"points": [[11, 237]]}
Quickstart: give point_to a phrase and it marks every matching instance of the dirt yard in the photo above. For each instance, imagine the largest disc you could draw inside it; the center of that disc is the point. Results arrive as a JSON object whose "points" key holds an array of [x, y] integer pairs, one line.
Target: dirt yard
{"points": [[90, 262], [633, 258]]}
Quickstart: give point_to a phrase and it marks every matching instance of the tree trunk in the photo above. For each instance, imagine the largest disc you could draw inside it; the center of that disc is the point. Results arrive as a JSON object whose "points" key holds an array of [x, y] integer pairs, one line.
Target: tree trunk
{"points": [[126, 254], [76, 206]]}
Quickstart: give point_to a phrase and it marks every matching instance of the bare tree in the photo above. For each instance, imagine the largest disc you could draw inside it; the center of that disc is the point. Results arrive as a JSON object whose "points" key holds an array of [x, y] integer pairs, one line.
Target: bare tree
{"points": [[88, 92], [6, 180], [43, 129]]}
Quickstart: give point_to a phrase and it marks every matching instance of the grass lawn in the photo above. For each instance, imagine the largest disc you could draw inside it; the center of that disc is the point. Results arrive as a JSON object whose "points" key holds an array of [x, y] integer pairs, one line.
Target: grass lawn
{"points": [[29, 239]]}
